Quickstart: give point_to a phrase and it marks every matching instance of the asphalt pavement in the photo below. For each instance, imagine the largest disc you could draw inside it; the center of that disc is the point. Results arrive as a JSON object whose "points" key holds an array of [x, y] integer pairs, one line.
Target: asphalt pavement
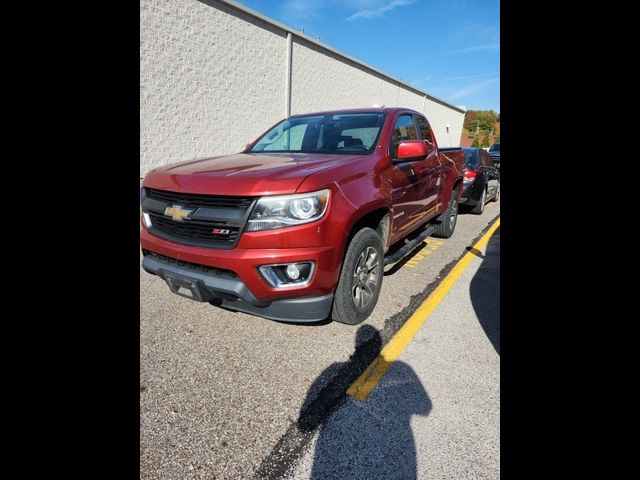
{"points": [[227, 395], [436, 412]]}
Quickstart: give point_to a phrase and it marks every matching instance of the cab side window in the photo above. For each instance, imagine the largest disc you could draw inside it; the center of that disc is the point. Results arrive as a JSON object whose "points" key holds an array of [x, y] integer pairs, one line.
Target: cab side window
{"points": [[404, 129], [425, 132]]}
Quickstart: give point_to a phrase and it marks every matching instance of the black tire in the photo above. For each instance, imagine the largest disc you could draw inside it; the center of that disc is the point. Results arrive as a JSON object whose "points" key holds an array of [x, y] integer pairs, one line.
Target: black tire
{"points": [[497, 195], [449, 218], [479, 208], [359, 288]]}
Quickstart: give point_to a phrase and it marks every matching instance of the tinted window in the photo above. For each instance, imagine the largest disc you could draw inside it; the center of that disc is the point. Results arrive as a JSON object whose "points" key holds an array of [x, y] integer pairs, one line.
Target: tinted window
{"points": [[495, 148], [425, 133], [404, 129], [471, 155], [486, 159]]}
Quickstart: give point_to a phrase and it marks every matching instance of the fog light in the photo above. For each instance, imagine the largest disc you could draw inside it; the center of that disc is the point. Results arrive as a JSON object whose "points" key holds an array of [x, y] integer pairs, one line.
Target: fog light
{"points": [[292, 271], [284, 275]]}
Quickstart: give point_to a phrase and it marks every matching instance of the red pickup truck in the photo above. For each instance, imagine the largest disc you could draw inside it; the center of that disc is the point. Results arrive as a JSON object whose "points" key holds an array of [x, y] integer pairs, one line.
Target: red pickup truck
{"points": [[298, 226]]}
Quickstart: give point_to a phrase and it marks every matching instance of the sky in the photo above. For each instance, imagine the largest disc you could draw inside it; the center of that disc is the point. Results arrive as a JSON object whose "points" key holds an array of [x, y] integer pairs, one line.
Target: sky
{"points": [[448, 48]]}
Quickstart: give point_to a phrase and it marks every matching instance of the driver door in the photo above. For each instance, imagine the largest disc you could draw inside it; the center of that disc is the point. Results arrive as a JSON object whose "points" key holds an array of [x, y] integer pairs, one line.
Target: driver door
{"points": [[408, 180]]}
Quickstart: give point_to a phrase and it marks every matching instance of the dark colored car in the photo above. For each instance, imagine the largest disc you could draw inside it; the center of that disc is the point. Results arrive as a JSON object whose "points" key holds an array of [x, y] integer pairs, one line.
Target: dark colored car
{"points": [[481, 180], [494, 153]]}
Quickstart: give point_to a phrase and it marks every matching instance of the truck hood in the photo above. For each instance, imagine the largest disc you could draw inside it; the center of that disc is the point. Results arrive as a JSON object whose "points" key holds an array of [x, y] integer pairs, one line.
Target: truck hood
{"points": [[245, 174]]}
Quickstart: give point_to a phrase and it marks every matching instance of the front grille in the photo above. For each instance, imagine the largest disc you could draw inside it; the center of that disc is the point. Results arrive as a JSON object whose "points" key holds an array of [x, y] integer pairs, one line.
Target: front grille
{"points": [[200, 233], [190, 200], [209, 212]]}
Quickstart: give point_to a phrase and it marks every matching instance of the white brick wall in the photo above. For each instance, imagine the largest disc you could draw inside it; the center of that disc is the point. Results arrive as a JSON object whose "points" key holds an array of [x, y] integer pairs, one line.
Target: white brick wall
{"points": [[321, 81], [212, 78], [439, 116], [209, 81]]}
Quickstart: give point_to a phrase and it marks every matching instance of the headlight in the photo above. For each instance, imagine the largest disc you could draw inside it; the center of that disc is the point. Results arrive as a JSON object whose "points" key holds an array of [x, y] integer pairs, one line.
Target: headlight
{"points": [[288, 210]]}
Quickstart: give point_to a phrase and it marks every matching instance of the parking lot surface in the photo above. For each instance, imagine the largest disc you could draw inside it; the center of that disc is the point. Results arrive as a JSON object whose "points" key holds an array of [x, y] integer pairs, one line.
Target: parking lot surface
{"points": [[227, 395], [436, 412]]}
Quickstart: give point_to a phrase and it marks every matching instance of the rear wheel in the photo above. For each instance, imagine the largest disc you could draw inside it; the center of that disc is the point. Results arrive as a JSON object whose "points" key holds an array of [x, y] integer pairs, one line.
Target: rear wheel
{"points": [[479, 208], [449, 218], [360, 280], [496, 197]]}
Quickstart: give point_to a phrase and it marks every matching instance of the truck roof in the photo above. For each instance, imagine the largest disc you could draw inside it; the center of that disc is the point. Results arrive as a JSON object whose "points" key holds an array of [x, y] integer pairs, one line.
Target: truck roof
{"points": [[356, 110]]}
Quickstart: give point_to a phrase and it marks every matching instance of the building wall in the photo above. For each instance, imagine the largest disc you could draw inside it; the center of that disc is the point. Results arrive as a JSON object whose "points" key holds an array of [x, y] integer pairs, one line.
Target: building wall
{"points": [[440, 116], [323, 81], [213, 78]]}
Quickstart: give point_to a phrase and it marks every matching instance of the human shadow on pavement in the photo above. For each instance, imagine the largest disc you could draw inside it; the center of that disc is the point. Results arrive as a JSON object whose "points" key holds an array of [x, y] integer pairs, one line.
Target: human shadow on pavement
{"points": [[372, 438], [485, 291]]}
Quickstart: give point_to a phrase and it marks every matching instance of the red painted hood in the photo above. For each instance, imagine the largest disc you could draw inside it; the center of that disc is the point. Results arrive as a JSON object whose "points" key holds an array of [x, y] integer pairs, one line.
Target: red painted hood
{"points": [[248, 174]]}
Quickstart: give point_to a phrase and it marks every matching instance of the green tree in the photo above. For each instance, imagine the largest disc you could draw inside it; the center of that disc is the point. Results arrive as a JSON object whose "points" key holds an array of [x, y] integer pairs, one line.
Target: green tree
{"points": [[485, 141], [481, 121], [475, 143]]}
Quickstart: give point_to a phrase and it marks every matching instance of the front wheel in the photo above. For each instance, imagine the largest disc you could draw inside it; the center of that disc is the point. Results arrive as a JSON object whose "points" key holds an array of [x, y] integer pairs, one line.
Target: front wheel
{"points": [[360, 280], [449, 218]]}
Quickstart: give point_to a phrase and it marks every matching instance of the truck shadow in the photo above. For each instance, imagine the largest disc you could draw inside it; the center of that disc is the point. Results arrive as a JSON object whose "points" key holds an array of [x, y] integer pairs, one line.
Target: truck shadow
{"points": [[485, 290]]}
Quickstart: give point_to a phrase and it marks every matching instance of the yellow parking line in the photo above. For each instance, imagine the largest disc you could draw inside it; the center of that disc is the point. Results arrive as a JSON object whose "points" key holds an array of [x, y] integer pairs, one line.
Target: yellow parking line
{"points": [[418, 257], [361, 388]]}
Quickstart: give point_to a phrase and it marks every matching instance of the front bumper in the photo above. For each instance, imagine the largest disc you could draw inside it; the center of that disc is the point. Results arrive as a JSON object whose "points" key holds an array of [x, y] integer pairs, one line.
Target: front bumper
{"points": [[225, 289]]}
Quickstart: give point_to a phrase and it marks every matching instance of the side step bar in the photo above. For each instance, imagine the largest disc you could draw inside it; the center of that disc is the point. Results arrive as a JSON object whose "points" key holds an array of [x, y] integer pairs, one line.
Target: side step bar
{"points": [[408, 247]]}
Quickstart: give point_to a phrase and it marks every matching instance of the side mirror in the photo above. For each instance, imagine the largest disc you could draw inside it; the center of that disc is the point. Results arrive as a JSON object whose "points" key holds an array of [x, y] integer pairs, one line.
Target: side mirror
{"points": [[410, 150]]}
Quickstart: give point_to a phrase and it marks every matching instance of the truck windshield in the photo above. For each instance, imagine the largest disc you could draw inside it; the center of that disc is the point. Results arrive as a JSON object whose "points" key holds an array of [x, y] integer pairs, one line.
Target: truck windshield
{"points": [[495, 148], [344, 133]]}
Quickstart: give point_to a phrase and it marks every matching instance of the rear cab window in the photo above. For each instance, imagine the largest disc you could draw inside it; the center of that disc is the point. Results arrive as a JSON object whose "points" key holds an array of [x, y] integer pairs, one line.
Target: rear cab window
{"points": [[425, 131]]}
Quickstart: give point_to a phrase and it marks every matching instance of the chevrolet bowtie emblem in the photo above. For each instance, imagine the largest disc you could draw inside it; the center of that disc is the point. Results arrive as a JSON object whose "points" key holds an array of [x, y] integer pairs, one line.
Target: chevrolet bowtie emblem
{"points": [[177, 213]]}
